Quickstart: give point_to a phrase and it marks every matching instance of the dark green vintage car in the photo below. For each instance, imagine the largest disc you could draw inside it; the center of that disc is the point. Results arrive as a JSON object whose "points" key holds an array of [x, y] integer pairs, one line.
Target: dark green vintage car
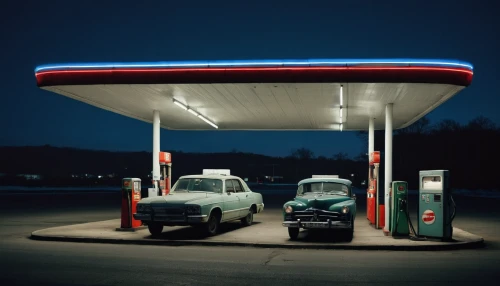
{"points": [[324, 203]]}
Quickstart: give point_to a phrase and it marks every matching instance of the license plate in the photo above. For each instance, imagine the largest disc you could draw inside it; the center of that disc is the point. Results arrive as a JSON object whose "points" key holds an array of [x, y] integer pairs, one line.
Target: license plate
{"points": [[315, 224]]}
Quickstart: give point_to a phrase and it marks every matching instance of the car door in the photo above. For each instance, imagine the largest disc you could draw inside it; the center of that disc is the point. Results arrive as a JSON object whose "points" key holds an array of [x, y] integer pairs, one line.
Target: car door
{"points": [[244, 196], [231, 202]]}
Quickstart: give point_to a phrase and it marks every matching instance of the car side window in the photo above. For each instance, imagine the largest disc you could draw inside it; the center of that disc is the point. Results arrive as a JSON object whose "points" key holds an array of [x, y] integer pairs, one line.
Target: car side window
{"points": [[229, 186], [345, 189], [237, 186], [217, 186], [300, 190]]}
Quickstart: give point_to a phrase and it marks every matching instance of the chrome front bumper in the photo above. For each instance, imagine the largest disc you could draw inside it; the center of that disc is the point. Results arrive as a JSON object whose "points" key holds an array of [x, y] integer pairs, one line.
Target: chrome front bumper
{"points": [[317, 224], [140, 216], [171, 219]]}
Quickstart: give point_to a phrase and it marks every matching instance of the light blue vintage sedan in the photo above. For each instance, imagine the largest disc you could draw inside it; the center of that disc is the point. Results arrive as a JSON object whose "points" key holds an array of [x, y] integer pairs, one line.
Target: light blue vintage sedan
{"points": [[202, 201]]}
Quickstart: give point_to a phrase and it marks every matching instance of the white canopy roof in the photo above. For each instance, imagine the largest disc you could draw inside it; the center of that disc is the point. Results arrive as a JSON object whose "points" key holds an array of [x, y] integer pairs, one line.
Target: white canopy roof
{"points": [[263, 95]]}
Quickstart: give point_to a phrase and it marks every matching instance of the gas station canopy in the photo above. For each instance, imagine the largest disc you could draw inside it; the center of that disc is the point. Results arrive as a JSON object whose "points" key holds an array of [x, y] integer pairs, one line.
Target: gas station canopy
{"points": [[322, 94]]}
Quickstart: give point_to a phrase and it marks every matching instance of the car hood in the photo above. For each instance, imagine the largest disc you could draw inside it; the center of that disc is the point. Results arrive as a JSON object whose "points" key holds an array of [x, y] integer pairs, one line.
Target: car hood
{"points": [[185, 197], [178, 198], [321, 201]]}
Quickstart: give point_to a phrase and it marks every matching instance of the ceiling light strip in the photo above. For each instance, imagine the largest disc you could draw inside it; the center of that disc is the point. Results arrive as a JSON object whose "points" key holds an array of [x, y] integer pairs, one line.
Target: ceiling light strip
{"points": [[341, 108], [180, 105], [341, 96], [208, 121], [192, 111]]}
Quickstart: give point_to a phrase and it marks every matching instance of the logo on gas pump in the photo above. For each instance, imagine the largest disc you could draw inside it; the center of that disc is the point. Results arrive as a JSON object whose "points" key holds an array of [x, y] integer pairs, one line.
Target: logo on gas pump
{"points": [[428, 217]]}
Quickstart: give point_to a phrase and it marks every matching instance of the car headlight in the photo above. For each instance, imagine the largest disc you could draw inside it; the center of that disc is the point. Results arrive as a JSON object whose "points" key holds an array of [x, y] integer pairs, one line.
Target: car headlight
{"points": [[143, 208], [345, 209], [288, 209], [193, 210]]}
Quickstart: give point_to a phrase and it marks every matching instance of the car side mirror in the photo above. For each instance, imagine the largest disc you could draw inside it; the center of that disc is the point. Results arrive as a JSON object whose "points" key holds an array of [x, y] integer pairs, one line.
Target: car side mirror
{"points": [[354, 196]]}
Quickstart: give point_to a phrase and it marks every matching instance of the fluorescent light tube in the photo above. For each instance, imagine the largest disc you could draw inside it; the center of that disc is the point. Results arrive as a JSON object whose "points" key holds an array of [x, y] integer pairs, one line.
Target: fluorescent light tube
{"points": [[208, 121], [180, 105], [193, 112], [341, 95]]}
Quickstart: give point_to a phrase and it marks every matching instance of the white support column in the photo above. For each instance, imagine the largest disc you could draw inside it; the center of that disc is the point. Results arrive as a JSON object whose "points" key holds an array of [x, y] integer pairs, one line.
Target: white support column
{"points": [[371, 136], [156, 148], [387, 161]]}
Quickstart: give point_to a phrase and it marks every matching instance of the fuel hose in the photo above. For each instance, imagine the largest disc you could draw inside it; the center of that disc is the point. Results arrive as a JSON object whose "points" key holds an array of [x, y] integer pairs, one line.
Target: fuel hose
{"points": [[413, 235]]}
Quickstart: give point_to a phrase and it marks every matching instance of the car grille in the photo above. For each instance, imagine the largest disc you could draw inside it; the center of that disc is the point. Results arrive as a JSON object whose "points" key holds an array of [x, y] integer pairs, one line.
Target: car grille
{"points": [[168, 211], [317, 215]]}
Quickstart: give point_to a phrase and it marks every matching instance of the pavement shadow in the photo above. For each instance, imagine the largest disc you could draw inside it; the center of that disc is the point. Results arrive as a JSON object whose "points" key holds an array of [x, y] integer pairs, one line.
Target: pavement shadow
{"points": [[194, 233], [323, 236]]}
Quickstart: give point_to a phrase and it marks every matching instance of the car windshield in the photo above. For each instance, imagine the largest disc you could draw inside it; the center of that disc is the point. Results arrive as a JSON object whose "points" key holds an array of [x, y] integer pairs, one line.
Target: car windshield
{"points": [[198, 185], [324, 188]]}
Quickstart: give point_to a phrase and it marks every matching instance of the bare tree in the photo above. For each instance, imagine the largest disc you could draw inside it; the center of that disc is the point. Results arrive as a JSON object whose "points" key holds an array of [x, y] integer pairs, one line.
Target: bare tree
{"points": [[481, 123], [447, 125], [421, 126], [302, 154], [340, 156], [361, 157]]}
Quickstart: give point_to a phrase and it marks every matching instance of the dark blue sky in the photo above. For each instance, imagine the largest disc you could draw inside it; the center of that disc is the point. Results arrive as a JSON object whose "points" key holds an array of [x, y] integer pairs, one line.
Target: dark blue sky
{"points": [[44, 32]]}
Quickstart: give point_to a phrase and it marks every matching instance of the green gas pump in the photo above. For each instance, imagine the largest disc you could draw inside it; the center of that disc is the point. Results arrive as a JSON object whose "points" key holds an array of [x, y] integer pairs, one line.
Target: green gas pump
{"points": [[398, 215], [436, 207]]}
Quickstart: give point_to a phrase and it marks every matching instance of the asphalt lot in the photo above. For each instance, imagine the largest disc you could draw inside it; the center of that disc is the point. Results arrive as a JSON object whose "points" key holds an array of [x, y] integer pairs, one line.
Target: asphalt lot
{"points": [[24, 261]]}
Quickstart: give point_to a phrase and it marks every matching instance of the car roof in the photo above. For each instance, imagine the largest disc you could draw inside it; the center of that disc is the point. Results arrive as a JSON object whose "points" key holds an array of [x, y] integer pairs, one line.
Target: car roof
{"points": [[325, 180], [210, 176]]}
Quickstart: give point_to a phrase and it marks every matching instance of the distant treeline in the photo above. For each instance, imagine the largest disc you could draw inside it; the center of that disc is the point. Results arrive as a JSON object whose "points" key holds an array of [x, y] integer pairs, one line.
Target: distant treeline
{"points": [[70, 166], [469, 151]]}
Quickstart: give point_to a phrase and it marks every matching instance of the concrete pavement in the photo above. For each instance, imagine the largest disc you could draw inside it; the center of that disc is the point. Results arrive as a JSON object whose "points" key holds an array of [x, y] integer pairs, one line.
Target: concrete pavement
{"points": [[266, 232]]}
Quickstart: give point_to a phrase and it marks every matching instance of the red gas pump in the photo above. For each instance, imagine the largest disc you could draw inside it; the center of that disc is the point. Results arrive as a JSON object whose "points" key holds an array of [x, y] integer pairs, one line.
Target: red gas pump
{"points": [[372, 191], [131, 195], [166, 172]]}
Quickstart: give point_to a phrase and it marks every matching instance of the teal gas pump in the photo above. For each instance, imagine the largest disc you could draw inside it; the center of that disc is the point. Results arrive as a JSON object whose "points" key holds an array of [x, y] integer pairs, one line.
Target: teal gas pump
{"points": [[398, 214], [436, 208]]}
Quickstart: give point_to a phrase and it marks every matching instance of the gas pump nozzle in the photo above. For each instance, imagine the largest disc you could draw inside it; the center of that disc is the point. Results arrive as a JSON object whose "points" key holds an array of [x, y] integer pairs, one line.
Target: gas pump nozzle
{"points": [[402, 208], [402, 205]]}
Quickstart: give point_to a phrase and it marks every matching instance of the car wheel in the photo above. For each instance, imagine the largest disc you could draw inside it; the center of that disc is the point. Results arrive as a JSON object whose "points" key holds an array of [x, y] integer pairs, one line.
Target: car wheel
{"points": [[155, 228], [212, 226], [349, 235], [293, 232], [248, 220], [350, 232]]}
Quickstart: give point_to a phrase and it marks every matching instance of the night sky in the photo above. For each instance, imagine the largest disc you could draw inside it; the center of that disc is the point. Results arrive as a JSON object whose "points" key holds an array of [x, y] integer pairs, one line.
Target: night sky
{"points": [[44, 32]]}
